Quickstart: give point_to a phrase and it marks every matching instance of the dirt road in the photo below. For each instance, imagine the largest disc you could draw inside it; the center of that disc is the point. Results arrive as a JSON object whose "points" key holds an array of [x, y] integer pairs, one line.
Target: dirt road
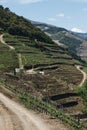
{"points": [[15, 117], [2, 41], [8, 119], [12, 48], [84, 75]]}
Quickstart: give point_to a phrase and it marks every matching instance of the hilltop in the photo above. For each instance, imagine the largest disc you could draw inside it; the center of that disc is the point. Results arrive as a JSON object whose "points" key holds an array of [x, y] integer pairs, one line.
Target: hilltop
{"points": [[17, 25]]}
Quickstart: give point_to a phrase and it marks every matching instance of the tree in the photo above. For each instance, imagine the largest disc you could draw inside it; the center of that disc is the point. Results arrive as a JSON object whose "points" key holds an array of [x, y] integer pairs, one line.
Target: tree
{"points": [[1, 7], [7, 9]]}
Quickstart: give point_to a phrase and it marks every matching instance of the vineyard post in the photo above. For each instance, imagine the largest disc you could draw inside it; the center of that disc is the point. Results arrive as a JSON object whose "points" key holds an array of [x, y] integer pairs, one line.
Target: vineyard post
{"points": [[78, 120]]}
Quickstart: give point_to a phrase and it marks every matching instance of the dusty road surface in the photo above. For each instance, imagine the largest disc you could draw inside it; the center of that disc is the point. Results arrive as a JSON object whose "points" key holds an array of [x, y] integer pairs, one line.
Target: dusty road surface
{"points": [[2, 41], [84, 75], [15, 117], [8, 120]]}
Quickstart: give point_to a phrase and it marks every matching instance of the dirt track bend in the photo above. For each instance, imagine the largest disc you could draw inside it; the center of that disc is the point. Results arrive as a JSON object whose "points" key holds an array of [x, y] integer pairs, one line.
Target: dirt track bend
{"points": [[84, 75], [2, 41], [12, 48], [15, 117]]}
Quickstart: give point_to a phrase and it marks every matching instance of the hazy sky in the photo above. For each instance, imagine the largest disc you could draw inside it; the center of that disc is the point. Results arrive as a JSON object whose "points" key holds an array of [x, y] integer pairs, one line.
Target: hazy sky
{"points": [[70, 14]]}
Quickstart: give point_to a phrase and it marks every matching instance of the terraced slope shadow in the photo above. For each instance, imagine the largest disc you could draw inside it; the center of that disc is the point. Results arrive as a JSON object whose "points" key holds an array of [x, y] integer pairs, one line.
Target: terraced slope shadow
{"points": [[65, 100], [68, 104], [62, 96]]}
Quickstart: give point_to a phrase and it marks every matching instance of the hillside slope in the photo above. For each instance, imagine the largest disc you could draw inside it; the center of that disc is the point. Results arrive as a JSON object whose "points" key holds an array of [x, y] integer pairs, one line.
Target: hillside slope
{"points": [[37, 70], [17, 25], [74, 41], [59, 76], [53, 68], [80, 35]]}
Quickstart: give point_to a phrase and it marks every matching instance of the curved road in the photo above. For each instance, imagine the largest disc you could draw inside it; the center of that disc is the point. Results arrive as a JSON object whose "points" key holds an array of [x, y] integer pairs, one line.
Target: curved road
{"points": [[84, 75], [2, 41]]}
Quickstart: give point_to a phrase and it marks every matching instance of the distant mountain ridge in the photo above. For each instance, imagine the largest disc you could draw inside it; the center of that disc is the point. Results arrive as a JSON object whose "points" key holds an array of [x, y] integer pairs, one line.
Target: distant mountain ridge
{"points": [[74, 41], [80, 35], [49, 27]]}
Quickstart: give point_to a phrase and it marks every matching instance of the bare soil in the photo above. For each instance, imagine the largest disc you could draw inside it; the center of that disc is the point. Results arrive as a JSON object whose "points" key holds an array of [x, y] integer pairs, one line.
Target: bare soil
{"points": [[13, 116], [2, 41], [84, 75]]}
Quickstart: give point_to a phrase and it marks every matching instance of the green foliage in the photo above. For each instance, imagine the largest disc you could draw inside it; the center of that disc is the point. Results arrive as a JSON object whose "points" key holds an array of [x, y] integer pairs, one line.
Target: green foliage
{"points": [[16, 25], [37, 52], [83, 93], [50, 57], [8, 60]]}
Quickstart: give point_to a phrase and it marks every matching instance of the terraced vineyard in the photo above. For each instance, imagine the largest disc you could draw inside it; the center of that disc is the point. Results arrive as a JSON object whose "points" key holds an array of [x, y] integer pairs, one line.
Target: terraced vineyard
{"points": [[21, 89], [39, 52], [55, 76], [57, 64], [8, 58]]}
